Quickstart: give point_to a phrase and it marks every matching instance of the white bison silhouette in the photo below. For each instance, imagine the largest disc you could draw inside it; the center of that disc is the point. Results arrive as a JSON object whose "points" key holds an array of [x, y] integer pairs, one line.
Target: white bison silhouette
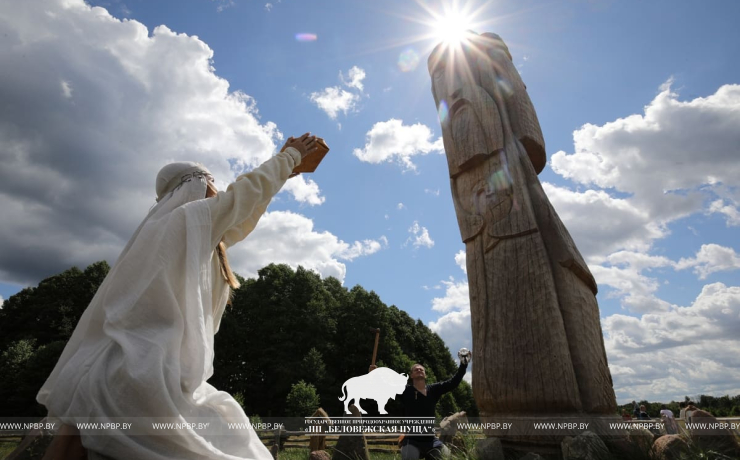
{"points": [[382, 385]]}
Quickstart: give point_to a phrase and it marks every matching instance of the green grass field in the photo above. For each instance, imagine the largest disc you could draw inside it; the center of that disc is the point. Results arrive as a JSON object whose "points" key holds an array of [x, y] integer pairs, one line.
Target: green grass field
{"points": [[7, 447]]}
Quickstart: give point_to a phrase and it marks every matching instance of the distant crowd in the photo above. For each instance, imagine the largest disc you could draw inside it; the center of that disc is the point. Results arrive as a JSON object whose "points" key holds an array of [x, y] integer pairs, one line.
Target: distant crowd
{"points": [[639, 412]]}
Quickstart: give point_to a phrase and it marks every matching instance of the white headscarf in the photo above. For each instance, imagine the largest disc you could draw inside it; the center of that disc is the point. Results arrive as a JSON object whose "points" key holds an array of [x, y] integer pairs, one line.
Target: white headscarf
{"points": [[174, 176], [143, 349]]}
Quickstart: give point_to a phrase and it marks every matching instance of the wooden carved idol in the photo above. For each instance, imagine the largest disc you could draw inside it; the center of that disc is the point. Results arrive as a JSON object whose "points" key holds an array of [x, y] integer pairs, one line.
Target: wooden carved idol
{"points": [[537, 343]]}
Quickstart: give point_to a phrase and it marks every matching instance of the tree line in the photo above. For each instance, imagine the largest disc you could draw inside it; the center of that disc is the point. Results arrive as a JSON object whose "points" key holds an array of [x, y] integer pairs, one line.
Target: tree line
{"points": [[285, 330], [719, 406]]}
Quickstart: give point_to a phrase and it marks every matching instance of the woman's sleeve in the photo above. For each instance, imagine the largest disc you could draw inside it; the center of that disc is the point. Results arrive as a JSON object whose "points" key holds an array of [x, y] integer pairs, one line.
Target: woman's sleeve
{"points": [[236, 211]]}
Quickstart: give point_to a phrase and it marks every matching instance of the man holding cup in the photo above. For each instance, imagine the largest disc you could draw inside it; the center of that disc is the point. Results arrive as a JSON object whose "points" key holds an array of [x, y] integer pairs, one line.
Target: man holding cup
{"points": [[420, 400]]}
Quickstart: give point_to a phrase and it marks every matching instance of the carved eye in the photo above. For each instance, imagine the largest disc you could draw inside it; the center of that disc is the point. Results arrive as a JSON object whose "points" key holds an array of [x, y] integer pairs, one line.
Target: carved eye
{"points": [[458, 105], [439, 73]]}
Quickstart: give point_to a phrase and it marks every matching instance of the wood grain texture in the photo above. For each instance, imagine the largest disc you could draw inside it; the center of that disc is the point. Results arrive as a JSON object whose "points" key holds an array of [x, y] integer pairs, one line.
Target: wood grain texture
{"points": [[537, 340]]}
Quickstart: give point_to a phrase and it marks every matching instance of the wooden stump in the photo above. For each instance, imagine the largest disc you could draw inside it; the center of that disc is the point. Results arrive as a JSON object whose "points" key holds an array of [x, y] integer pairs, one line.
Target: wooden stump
{"points": [[315, 442]]}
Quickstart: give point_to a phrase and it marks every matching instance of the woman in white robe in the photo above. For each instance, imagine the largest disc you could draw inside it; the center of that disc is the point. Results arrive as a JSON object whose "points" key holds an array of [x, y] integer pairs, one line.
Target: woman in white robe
{"points": [[143, 350]]}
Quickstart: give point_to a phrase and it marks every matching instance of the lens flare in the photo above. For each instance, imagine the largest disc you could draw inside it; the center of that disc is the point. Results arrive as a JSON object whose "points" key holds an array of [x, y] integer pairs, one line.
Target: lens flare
{"points": [[408, 60], [500, 179], [442, 111], [505, 87], [306, 37]]}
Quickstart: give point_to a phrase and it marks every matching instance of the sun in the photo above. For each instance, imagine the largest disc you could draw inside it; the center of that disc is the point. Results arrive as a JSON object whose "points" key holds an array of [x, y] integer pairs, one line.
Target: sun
{"points": [[445, 25], [451, 28]]}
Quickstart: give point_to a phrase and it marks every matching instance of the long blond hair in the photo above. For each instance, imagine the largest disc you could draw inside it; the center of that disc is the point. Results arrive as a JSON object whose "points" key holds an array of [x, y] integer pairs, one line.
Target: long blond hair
{"points": [[223, 260]]}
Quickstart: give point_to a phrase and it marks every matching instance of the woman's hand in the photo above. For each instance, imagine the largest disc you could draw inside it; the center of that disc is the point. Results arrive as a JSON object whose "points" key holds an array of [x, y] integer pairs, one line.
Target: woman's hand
{"points": [[304, 144]]}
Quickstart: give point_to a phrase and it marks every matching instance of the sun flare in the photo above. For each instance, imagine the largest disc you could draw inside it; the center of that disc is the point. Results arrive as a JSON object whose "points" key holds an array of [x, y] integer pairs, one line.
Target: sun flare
{"points": [[446, 25], [451, 28]]}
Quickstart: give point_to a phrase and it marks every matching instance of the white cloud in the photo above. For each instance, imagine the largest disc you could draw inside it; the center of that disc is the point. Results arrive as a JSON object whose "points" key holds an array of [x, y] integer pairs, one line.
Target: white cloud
{"points": [[66, 89], [671, 159], [638, 261], [109, 104], [268, 7], [625, 275], [434, 192], [681, 352], [620, 370], [400, 206], [454, 326], [363, 248], [731, 213], [460, 260], [1, 301], [456, 297], [392, 141], [711, 258], [354, 78], [636, 290], [454, 329], [334, 99], [623, 271], [304, 190], [286, 237], [125, 12], [223, 4], [613, 223], [419, 236], [653, 160]]}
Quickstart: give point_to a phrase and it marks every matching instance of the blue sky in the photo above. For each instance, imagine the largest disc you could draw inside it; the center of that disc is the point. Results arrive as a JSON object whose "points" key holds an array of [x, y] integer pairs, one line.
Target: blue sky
{"points": [[638, 102]]}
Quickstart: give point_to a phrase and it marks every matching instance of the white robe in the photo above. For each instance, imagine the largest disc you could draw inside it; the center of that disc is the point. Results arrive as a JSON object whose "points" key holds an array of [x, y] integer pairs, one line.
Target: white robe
{"points": [[143, 349]]}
